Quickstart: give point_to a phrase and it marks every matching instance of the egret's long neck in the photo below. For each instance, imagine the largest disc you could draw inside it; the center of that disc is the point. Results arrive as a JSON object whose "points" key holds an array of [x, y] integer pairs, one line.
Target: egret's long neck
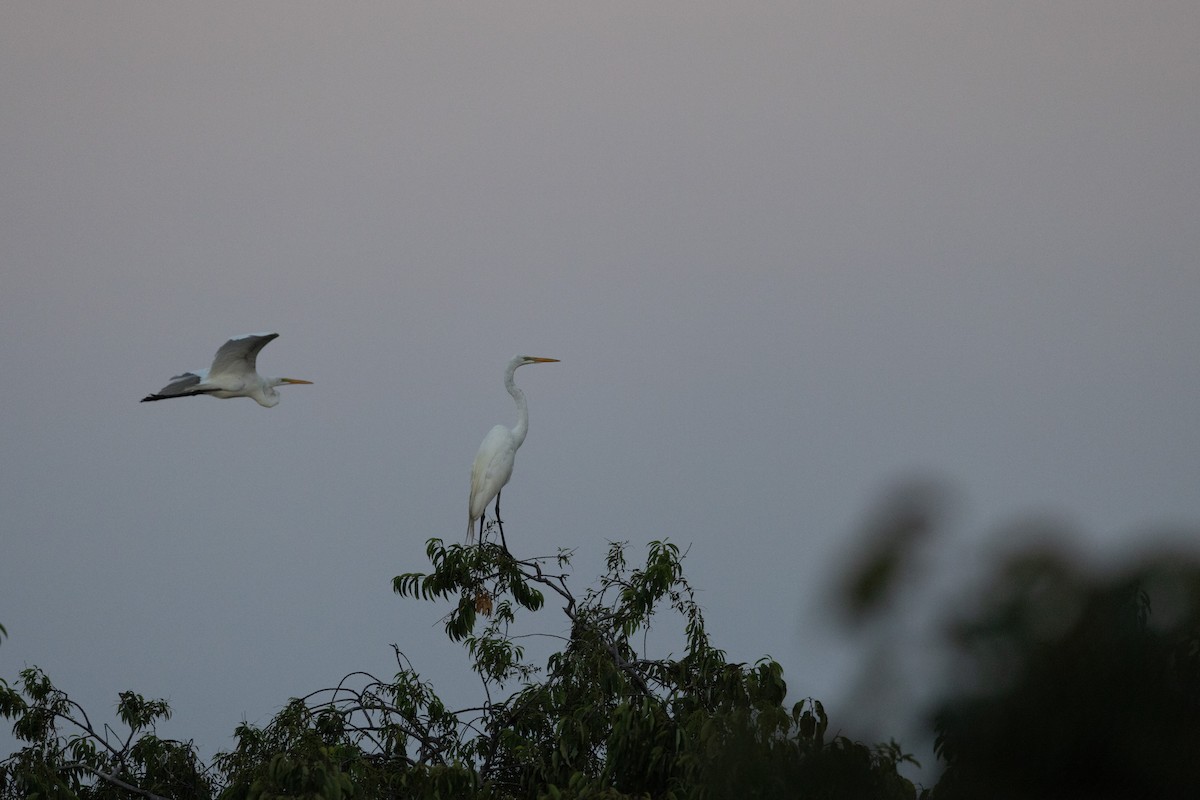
{"points": [[522, 426]]}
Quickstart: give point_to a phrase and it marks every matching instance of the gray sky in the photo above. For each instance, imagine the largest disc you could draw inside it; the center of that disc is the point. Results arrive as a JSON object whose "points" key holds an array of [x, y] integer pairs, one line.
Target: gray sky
{"points": [[789, 254]]}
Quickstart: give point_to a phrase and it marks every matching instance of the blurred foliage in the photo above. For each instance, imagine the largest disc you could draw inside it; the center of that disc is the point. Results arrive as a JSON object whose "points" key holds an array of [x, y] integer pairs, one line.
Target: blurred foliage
{"points": [[1076, 685], [880, 566], [1066, 681]]}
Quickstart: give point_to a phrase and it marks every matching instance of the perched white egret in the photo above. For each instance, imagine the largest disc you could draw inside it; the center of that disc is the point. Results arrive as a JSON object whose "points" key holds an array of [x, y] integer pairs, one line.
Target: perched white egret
{"points": [[232, 374], [494, 463]]}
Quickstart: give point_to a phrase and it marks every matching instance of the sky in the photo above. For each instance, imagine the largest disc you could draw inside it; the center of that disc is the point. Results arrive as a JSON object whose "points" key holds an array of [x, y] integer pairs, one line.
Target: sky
{"points": [[791, 256]]}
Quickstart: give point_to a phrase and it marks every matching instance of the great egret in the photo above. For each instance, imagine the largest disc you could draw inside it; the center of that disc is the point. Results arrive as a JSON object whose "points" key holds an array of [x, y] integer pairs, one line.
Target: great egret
{"points": [[232, 374], [494, 463]]}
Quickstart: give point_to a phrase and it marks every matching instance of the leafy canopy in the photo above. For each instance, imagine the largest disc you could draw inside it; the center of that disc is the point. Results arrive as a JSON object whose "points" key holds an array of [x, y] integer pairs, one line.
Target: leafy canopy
{"points": [[601, 717]]}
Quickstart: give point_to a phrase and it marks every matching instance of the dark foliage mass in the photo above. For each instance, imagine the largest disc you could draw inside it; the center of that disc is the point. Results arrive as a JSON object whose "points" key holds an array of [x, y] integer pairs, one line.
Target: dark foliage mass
{"points": [[1067, 685], [1078, 687]]}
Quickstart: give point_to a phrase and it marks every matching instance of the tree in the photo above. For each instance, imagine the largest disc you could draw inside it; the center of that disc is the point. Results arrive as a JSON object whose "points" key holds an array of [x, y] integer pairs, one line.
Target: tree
{"points": [[1070, 683], [601, 718], [84, 761]]}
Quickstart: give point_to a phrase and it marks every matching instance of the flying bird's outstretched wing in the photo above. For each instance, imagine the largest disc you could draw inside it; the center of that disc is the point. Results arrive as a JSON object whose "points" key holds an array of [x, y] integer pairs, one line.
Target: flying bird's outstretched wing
{"points": [[240, 354]]}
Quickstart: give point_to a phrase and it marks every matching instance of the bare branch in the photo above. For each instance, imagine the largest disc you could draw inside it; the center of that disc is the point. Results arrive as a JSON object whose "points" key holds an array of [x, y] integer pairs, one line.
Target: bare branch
{"points": [[114, 780]]}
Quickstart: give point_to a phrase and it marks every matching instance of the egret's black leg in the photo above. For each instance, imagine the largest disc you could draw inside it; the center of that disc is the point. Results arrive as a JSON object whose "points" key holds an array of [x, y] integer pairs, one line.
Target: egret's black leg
{"points": [[499, 523]]}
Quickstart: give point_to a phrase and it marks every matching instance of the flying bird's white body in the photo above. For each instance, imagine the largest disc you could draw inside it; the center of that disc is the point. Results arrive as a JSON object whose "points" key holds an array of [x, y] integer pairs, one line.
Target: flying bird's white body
{"points": [[494, 462], [233, 373]]}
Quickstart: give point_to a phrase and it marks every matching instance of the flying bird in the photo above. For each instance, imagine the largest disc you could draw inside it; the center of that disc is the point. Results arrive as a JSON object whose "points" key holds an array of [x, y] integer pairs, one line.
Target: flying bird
{"points": [[232, 374], [494, 463]]}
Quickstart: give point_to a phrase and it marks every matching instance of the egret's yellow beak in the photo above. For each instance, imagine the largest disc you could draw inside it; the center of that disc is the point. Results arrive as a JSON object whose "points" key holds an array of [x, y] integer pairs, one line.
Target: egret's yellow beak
{"points": [[293, 380], [543, 360]]}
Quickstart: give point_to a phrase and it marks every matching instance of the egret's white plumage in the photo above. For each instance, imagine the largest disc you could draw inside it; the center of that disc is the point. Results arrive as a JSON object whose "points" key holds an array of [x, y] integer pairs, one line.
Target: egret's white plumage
{"points": [[233, 374], [494, 463]]}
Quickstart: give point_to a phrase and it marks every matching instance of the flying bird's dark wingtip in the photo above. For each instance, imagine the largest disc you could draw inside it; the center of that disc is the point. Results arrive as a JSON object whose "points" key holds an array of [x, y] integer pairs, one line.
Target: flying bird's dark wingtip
{"points": [[150, 397]]}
